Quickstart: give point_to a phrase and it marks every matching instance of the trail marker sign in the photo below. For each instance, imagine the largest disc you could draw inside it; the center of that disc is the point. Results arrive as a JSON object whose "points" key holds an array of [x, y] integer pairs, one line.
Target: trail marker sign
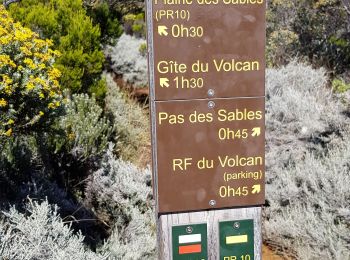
{"points": [[207, 74], [190, 242], [210, 157], [236, 239], [207, 99]]}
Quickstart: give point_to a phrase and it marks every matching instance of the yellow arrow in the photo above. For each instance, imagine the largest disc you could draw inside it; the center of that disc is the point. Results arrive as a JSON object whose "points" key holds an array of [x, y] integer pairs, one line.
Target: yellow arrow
{"points": [[256, 131], [256, 189], [162, 30], [164, 82]]}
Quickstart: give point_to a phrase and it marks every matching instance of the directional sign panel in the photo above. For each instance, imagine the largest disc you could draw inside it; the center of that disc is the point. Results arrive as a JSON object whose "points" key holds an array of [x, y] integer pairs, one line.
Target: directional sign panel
{"points": [[190, 242], [203, 45], [207, 88], [210, 153], [236, 240]]}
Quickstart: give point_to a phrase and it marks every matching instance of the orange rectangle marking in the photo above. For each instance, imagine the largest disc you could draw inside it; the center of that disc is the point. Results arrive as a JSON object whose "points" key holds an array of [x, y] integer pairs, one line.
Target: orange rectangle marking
{"points": [[190, 249]]}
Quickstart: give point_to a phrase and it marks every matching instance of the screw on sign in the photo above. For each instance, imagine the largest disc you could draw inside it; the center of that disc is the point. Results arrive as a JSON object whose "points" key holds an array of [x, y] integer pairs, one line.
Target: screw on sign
{"points": [[211, 92]]}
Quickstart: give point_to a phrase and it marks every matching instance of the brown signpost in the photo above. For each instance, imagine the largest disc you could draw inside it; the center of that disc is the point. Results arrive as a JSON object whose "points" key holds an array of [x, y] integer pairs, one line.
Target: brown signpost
{"points": [[207, 78]]}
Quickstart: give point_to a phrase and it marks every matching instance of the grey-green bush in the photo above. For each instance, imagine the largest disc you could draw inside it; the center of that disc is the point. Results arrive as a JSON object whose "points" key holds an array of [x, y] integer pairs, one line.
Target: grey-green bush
{"points": [[128, 61], [301, 113], [120, 193], [131, 122], [40, 234], [136, 241], [86, 131], [307, 164]]}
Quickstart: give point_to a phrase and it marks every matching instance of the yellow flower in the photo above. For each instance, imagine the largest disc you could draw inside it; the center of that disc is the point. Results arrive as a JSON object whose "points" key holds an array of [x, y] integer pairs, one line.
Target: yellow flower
{"points": [[6, 60], [39, 44], [44, 57], [6, 79], [55, 82], [54, 73], [5, 39], [22, 34], [8, 90], [28, 45], [41, 95], [40, 81], [51, 105], [55, 53], [3, 102], [3, 31], [71, 136], [30, 63], [30, 86], [8, 132], [48, 42], [10, 122], [26, 51], [41, 113]]}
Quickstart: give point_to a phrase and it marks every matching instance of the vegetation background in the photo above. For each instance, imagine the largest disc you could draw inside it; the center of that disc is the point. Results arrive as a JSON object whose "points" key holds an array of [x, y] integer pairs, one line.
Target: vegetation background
{"points": [[74, 176]]}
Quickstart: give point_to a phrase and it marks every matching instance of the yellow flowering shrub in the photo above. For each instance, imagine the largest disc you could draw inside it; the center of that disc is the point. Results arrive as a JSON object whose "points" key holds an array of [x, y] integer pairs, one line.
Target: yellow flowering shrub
{"points": [[29, 89], [73, 33]]}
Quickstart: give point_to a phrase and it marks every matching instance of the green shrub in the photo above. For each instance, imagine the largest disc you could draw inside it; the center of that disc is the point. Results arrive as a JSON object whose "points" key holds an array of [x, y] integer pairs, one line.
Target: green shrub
{"points": [[134, 24], [18, 157], [340, 86], [107, 18], [137, 28], [84, 130], [122, 7], [317, 30], [130, 121], [99, 90], [143, 49], [73, 34], [280, 47]]}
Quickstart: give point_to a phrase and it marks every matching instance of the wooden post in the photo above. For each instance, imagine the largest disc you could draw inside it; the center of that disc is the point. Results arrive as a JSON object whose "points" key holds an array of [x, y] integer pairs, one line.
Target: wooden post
{"points": [[180, 144]]}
